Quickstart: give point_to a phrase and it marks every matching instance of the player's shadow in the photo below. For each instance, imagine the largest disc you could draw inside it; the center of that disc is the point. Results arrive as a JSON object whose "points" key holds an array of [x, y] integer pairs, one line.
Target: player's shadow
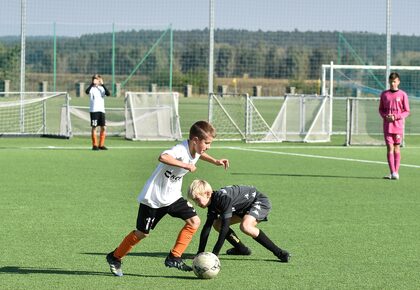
{"points": [[190, 256], [140, 254], [306, 175], [59, 271]]}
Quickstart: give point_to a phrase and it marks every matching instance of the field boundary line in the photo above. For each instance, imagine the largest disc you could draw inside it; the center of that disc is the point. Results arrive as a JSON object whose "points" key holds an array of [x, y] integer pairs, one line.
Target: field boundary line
{"points": [[319, 156]]}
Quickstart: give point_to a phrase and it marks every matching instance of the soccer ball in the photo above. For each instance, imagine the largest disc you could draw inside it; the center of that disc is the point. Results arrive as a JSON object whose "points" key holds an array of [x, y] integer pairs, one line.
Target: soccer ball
{"points": [[206, 265]]}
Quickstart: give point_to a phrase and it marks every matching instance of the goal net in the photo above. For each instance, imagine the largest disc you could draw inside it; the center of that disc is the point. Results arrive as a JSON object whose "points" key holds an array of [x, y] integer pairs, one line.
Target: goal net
{"points": [[364, 126], [298, 118], [152, 116], [34, 113], [355, 91], [79, 117]]}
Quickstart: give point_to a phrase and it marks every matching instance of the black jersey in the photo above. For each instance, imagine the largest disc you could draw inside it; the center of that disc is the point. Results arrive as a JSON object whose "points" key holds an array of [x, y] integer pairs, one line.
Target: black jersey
{"points": [[224, 203], [231, 199]]}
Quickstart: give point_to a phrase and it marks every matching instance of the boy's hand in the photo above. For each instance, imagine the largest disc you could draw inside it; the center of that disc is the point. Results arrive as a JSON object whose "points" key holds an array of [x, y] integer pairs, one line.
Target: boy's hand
{"points": [[191, 167], [223, 162], [390, 118]]}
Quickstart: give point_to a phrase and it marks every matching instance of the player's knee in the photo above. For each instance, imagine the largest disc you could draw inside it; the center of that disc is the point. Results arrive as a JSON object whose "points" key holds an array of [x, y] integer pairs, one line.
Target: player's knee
{"points": [[194, 222], [247, 228], [140, 235]]}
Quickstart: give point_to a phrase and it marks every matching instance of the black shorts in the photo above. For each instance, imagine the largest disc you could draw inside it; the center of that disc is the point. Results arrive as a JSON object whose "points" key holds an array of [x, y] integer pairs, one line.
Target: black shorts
{"points": [[97, 119], [259, 209], [148, 217]]}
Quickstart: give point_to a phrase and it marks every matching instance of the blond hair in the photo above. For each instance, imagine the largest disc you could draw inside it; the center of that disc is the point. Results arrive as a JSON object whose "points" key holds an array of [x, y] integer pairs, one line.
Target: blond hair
{"points": [[198, 187]]}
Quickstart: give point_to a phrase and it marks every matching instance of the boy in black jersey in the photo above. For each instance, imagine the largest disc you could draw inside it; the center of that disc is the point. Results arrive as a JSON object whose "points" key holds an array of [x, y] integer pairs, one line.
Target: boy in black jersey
{"points": [[230, 205]]}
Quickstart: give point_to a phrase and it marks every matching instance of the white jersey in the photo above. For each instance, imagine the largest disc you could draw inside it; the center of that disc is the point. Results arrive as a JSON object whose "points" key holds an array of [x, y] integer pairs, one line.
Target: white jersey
{"points": [[164, 186], [97, 99]]}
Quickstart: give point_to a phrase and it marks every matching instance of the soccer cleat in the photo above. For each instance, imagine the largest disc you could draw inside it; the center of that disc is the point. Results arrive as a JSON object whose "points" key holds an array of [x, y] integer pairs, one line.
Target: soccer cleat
{"points": [[95, 148], [395, 176], [103, 148], [284, 256], [114, 264], [239, 252], [176, 262], [388, 176]]}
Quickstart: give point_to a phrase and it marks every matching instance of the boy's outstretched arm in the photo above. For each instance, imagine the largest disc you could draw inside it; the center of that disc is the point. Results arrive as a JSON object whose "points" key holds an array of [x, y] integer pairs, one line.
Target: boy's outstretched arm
{"points": [[218, 162], [170, 160]]}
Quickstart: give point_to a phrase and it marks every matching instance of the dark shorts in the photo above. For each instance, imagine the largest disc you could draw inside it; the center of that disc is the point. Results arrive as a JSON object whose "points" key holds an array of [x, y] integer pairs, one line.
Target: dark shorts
{"points": [[148, 217], [259, 209], [97, 119]]}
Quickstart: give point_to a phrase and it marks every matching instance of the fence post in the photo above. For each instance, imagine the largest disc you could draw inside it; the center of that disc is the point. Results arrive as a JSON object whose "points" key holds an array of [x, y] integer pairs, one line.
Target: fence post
{"points": [[188, 91], [257, 91], [222, 89], [153, 88], [80, 89]]}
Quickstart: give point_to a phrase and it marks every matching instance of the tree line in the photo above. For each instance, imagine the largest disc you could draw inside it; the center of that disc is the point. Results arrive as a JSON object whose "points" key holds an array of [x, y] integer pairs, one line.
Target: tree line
{"points": [[292, 55]]}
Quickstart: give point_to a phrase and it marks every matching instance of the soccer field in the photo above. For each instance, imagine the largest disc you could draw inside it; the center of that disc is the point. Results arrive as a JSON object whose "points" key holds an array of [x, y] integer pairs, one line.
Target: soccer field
{"points": [[63, 207]]}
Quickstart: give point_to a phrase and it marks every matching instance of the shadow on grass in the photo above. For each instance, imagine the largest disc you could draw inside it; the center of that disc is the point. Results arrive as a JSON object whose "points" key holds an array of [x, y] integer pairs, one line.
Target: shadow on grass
{"points": [[191, 256], [59, 271], [141, 254], [306, 175]]}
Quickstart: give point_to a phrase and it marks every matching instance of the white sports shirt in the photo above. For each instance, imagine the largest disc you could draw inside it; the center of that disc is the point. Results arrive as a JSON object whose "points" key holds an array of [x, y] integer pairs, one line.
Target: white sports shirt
{"points": [[97, 96], [164, 186]]}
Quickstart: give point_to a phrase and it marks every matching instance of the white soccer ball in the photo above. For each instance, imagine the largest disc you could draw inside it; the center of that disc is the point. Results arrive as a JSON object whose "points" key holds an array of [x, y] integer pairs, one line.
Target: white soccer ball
{"points": [[206, 265]]}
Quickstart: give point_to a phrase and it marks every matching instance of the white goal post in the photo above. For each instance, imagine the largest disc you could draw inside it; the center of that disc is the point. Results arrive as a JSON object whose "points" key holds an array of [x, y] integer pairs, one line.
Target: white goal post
{"points": [[152, 116], [35, 114], [355, 91], [295, 118]]}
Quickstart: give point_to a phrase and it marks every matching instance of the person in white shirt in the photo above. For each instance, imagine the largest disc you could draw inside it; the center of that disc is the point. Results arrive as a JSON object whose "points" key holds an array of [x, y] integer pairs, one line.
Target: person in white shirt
{"points": [[97, 92], [162, 195]]}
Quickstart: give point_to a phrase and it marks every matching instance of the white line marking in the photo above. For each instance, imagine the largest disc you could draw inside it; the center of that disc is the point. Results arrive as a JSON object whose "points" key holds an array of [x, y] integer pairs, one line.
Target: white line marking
{"points": [[319, 156]]}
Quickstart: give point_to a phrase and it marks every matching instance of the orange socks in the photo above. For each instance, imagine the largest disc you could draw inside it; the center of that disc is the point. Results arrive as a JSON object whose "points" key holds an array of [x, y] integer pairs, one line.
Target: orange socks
{"points": [[126, 245], [94, 139], [183, 240], [102, 139]]}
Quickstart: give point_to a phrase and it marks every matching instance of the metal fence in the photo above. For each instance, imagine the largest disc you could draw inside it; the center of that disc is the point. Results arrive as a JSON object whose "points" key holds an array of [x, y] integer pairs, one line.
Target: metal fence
{"points": [[260, 47]]}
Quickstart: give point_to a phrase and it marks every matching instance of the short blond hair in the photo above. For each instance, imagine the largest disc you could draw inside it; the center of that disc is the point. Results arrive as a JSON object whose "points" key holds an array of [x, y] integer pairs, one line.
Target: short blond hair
{"points": [[198, 187]]}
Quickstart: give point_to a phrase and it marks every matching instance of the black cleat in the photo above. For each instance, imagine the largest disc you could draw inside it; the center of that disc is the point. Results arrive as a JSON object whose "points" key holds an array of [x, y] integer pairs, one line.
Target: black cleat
{"points": [[284, 256], [239, 252], [176, 262], [114, 264], [103, 148], [95, 148]]}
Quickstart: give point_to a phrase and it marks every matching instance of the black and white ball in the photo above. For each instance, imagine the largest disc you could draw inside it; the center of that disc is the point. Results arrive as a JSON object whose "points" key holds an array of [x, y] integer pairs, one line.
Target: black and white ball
{"points": [[206, 265]]}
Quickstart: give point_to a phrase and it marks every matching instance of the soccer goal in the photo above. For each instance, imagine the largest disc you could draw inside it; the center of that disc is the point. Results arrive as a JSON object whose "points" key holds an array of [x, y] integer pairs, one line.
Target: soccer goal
{"points": [[79, 120], [34, 114], [295, 118], [152, 116], [355, 91]]}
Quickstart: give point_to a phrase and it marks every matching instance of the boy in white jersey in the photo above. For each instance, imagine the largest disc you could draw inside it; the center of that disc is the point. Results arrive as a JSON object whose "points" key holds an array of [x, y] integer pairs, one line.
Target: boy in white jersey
{"points": [[233, 204], [97, 92], [162, 195]]}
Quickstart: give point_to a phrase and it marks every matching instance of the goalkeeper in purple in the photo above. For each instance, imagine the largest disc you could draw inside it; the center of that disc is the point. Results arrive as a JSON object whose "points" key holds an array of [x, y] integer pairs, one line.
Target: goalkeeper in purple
{"points": [[230, 205]]}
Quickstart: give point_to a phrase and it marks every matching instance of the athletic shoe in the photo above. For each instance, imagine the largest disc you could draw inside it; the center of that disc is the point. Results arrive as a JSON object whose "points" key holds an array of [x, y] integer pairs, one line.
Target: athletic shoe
{"points": [[395, 176], [114, 264], [284, 256], [103, 148], [95, 148], [245, 251], [388, 176], [176, 262]]}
